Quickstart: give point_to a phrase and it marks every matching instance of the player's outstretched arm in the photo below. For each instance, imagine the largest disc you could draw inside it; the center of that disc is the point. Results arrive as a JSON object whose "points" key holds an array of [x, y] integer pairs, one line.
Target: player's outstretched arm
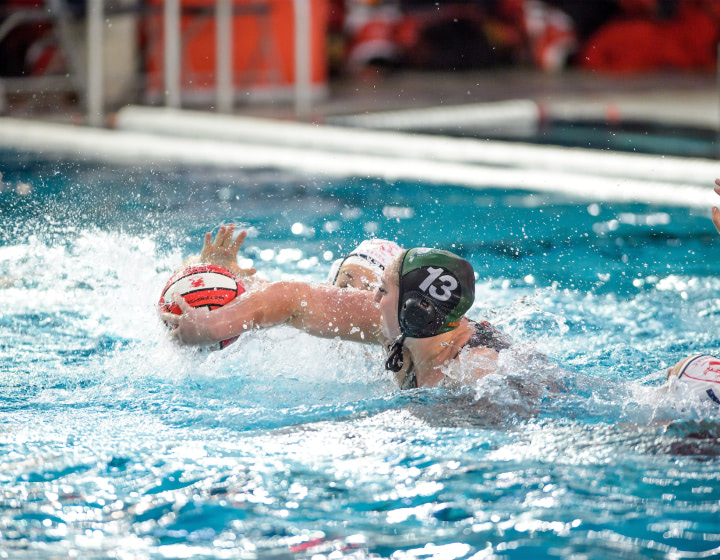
{"points": [[323, 311]]}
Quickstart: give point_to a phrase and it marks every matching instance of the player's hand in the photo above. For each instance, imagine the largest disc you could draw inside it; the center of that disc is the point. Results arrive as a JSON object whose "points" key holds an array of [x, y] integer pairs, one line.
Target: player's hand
{"points": [[187, 328], [223, 251]]}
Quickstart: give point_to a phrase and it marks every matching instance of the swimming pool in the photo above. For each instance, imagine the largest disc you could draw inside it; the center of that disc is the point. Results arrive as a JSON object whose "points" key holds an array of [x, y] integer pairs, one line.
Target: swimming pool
{"points": [[117, 444], [637, 137]]}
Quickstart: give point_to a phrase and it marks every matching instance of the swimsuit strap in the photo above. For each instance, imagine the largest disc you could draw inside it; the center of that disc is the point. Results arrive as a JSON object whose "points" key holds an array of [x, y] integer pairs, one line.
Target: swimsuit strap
{"points": [[488, 336], [410, 381]]}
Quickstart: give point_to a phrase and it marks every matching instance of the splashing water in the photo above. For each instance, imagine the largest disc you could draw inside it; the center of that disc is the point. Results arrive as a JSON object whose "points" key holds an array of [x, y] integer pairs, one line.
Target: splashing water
{"points": [[116, 442]]}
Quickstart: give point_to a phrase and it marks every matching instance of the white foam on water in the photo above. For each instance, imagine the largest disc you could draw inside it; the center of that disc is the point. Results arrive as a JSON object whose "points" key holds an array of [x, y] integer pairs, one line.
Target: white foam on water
{"points": [[105, 286]]}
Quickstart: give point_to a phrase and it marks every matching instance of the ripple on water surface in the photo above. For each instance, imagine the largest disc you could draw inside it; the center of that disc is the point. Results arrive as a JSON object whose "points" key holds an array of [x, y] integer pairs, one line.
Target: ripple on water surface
{"points": [[285, 446]]}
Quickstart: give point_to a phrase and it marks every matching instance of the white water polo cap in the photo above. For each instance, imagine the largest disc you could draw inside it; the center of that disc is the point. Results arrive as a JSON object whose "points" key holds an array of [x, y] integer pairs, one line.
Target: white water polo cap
{"points": [[373, 254], [701, 376]]}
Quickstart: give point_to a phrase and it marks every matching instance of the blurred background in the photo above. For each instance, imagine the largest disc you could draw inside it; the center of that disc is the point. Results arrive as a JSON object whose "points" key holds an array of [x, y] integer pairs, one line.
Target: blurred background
{"points": [[361, 55]]}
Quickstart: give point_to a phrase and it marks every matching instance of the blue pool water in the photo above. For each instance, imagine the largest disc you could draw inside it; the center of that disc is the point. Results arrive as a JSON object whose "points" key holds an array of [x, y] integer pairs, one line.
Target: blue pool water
{"points": [[116, 444]]}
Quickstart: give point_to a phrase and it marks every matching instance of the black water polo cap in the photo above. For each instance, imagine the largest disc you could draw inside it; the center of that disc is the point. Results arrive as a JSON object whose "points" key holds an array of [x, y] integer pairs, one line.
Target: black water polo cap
{"points": [[437, 288]]}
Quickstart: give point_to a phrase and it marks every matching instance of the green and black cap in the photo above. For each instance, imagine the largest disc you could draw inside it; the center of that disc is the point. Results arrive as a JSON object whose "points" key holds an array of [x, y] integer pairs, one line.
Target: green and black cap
{"points": [[436, 290]]}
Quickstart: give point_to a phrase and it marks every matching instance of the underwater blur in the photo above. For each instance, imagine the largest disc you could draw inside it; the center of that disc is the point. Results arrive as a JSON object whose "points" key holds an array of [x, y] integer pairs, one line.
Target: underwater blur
{"points": [[116, 443]]}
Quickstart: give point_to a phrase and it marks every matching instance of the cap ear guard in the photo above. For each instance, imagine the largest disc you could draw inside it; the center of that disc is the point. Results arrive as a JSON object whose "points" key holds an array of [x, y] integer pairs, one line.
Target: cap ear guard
{"points": [[419, 317]]}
